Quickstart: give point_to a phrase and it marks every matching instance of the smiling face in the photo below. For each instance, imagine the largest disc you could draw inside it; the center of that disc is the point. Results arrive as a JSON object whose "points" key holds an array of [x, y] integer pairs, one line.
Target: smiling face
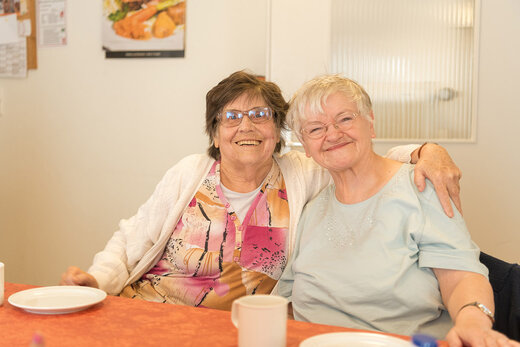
{"points": [[247, 145], [339, 150]]}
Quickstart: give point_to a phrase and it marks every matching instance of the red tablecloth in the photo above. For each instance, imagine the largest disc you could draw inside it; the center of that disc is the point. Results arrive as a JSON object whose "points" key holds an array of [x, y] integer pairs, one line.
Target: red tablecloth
{"points": [[126, 322]]}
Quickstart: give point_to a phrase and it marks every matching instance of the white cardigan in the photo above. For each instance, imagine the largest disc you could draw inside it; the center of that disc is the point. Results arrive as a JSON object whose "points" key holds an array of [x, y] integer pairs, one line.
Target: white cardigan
{"points": [[140, 241]]}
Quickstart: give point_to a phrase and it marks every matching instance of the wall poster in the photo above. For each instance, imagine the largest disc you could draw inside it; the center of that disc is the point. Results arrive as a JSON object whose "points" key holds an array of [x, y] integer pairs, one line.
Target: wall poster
{"points": [[143, 28]]}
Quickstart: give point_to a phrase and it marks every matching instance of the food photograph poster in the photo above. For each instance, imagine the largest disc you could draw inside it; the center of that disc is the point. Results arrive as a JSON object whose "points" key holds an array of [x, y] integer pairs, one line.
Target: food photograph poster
{"points": [[143, 28]]}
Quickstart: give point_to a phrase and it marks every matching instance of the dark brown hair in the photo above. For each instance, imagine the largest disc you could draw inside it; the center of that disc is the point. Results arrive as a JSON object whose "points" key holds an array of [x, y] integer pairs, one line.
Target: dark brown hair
{"points": [[234, 86]]}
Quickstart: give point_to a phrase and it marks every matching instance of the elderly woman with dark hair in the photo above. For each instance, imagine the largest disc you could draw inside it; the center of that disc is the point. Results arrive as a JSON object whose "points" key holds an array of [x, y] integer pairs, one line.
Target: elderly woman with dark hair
{"points": [[222, 225], [372, 252]]}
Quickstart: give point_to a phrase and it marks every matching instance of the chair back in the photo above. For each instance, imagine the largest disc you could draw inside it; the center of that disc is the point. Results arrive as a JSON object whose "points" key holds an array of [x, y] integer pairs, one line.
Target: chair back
{"points": [[505, 281]]}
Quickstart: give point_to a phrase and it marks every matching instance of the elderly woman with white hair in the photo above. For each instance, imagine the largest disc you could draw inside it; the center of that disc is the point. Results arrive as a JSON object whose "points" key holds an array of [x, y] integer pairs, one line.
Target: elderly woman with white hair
{"points": [[372, 252]]}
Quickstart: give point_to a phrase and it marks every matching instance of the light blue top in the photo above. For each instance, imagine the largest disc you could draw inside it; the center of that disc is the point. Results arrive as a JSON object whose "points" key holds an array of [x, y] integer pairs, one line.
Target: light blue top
{"points": [[368, 265]]}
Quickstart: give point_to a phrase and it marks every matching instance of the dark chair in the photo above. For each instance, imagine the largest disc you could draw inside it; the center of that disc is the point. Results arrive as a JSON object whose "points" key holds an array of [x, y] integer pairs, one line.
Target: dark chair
{"points": [[505, 280]]}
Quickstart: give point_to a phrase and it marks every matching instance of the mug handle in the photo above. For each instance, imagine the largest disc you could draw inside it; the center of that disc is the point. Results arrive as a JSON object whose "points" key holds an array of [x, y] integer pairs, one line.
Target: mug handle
{"points": [[234, 313]]}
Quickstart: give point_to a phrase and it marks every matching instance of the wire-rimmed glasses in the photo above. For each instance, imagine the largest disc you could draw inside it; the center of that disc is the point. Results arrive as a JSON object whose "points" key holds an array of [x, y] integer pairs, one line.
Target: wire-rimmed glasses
{"points": [[316, 130], [257, 115]]}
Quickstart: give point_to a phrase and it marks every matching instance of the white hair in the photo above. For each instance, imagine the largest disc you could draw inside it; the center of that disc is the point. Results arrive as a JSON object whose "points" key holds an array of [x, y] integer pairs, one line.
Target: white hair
{"points": [[313, 94]]}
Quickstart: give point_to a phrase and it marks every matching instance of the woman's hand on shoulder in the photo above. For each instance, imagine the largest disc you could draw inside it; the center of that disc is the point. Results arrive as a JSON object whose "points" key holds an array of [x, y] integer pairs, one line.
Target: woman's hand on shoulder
{"points": [[74, 276], [473, 328], [435, 163]]}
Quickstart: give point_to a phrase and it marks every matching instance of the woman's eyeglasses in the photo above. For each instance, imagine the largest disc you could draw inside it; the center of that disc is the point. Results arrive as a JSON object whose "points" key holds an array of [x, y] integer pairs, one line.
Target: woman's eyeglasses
{"points": [[257, 115], [316, 130]]}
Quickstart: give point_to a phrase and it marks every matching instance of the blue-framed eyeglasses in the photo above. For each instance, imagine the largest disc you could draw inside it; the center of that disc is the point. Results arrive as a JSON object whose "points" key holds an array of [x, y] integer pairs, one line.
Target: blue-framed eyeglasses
{"points": [[257, 115], [316, 130]]}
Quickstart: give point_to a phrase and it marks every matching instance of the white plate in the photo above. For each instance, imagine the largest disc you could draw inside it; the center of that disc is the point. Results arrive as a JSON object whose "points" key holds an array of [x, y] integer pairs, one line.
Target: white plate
{"points": [[57, 299], [354, 339]]}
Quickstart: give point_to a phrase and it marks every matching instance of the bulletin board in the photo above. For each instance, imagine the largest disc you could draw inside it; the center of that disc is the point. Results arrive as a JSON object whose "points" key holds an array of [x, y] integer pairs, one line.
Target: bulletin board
{"points": [[32, 62]]}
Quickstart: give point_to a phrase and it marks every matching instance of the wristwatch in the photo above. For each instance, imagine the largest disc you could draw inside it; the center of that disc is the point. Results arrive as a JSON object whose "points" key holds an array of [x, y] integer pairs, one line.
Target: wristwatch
{"points": [[481, 307]]}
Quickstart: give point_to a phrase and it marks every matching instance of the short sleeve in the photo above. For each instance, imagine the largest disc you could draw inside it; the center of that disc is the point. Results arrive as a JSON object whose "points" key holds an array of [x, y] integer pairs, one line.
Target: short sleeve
{"points": [[445, 242]]}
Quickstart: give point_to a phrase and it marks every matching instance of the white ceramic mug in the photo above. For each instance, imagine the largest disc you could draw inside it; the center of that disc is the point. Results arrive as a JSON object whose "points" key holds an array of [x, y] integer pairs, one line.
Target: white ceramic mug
{"points": [[261, 320], [1, 284]]}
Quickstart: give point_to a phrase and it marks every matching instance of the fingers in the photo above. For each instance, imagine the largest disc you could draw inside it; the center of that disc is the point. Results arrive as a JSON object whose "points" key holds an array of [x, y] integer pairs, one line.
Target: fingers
{"points": [[74, 276], [493, 341], [496, 339], [419, 179], [446, 186], [453, 186], [67, 278], [80, 279], [456, 201], [444, 198], [453, 339], [469, 336]]}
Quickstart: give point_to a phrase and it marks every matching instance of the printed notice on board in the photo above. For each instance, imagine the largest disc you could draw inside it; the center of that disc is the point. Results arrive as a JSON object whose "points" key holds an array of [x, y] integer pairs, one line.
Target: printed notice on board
{"points": [[13, 47], [13, 59], [52, 27]]}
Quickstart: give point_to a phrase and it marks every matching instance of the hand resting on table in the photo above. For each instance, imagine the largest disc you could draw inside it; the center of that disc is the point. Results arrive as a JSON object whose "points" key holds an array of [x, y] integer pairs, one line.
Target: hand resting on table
{"points": [[74, 276]]}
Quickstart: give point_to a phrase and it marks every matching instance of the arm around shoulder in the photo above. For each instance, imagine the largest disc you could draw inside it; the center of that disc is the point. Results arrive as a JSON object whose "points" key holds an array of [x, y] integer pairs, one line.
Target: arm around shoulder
{"points": [[433, 162]]}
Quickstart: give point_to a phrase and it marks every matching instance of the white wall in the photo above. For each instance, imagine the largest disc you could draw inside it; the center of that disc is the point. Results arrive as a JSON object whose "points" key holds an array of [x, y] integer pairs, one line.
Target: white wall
{"points": [[490, 166], [84, 140]]}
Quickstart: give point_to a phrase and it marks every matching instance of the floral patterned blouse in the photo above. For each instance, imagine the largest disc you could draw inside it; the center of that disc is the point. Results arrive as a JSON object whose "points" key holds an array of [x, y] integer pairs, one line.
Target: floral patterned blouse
{"points": [[212, 257]]}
